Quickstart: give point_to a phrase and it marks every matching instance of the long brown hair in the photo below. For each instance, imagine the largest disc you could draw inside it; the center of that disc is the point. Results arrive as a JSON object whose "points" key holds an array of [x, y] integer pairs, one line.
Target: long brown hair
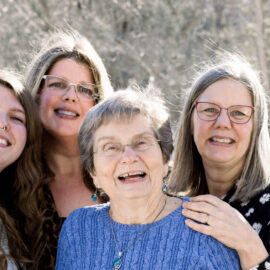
{"points": [[19, 205]]}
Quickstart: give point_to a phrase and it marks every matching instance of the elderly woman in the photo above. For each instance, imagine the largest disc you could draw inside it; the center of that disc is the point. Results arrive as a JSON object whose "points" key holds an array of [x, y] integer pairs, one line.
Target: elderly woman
{"points": [[223, 149], [125, 144]]}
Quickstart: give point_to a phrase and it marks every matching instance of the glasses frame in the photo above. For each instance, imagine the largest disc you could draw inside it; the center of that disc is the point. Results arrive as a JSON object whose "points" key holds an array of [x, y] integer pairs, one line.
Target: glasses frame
{"points": [[95, 96], [223, 108], [123, 149]]}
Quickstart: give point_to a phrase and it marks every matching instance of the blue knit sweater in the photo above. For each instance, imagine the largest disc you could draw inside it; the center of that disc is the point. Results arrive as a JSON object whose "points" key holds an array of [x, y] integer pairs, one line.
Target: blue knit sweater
{"points": [[86, 242]]}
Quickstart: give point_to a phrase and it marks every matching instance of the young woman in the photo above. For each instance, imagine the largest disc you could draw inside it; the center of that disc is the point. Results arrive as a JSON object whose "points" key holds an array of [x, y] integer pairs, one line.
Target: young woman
{"points": [[66, 78], [20, 134], [223, 149]]}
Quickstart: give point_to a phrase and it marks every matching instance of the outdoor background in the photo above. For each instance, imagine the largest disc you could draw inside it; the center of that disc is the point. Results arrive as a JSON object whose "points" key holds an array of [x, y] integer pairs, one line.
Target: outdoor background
{"points": [[161, 41]]}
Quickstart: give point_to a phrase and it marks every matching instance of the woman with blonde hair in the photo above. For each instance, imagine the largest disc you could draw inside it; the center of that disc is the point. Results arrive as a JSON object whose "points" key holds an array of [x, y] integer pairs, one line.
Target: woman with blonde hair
{"points": [[223, 150], [20, 145], [66, 78]]}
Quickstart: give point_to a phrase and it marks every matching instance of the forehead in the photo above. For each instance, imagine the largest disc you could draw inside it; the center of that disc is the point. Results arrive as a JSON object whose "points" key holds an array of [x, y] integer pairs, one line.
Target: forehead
{"points": [[11, 101], [72, 70], [227, 92], [124, 128]]}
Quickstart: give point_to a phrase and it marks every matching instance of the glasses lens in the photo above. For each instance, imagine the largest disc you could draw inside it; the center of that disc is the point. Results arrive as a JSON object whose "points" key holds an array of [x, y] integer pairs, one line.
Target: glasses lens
{"points": [[207, 111], [56, 84], [86, 91], [240, 114]]}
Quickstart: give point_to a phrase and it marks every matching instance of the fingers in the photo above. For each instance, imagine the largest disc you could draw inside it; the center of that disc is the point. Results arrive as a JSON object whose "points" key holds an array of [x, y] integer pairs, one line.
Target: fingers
{"points": [[200, 217], [215, 201], [205, 229]]}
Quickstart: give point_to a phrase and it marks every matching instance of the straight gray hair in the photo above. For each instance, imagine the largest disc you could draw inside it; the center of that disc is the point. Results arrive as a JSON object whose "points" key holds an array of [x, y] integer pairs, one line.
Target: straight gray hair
{"points": [[188, 173]]}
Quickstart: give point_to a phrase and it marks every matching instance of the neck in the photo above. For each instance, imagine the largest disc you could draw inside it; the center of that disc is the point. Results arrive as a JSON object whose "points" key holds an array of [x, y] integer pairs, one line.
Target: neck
{"points": [[139, 211], [220, 179], [62, 155]]}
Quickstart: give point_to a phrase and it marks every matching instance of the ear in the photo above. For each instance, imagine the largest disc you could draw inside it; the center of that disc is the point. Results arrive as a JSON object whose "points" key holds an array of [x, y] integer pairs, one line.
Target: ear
{"points": [[95, 180], [165, 169]]}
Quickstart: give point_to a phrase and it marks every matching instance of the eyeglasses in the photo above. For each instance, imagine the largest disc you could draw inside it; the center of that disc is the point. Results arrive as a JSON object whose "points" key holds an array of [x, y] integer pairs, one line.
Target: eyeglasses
{"points": [[239, 114], [59, 85], [115, 149]]}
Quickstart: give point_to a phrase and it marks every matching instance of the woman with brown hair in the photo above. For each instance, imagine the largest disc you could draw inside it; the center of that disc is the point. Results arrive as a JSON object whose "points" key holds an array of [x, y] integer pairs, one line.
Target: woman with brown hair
{"points": [[20, 134], [66, 78], [223, 149]]}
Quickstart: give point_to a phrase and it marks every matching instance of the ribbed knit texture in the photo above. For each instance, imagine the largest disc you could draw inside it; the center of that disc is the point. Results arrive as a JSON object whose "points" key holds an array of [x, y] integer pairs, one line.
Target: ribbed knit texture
{"points": [[86, 242]]}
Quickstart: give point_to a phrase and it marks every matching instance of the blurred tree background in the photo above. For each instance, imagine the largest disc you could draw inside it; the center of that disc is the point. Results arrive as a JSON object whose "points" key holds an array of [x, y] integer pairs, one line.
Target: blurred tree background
{"points": [[159, 41]]}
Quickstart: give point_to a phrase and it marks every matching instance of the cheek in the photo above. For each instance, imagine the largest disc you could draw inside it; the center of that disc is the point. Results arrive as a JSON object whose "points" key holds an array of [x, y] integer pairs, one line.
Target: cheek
{"points": [[21, 137], [86, 105], [44, 102]]}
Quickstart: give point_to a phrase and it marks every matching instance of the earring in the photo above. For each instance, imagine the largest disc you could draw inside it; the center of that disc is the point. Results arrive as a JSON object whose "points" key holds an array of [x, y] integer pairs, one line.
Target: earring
{"points": [[164, 188], [94, 197]]}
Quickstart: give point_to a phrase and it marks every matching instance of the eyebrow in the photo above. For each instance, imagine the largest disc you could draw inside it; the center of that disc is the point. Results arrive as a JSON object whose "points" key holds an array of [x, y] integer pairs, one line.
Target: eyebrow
{"points": [[135, 136], [17, 110]]}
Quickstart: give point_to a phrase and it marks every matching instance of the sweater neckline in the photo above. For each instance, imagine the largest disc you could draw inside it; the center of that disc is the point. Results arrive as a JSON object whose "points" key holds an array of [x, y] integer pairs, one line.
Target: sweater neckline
{"points": [[121, 226]]}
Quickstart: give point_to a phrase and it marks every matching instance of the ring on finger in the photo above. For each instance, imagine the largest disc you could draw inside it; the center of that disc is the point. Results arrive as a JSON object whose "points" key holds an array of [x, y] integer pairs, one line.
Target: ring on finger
{"points": [[206, 219]]}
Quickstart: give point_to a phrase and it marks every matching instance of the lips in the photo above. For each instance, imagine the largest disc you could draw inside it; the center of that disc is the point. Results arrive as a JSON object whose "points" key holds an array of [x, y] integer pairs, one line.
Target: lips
{"points": [[222, 140], [66, 112], [132, 176]]}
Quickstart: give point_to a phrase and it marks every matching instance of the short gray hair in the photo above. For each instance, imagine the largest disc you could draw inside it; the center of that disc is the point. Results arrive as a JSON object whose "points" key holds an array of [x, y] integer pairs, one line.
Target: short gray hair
{"points": [[188, 173], [127, 104]]}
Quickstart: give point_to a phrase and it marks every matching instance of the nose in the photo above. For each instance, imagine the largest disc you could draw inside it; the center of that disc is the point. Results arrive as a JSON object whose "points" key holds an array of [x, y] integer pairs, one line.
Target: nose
{"points": [[128, 156], [223, 120], [70, 94], [3, 123]]}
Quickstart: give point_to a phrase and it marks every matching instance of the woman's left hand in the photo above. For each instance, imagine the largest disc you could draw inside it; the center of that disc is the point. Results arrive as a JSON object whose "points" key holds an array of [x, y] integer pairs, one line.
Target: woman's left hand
{"points": [[221, 221]]}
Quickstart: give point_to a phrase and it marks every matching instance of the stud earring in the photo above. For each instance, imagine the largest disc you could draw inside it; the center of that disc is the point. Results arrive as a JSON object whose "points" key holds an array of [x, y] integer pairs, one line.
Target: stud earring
{"points": [[164, 188], [94, 197]]}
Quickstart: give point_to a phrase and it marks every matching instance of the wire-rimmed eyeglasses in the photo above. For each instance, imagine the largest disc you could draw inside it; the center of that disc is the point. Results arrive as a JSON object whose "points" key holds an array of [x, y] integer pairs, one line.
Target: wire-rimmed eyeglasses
{"points": [[239, 114], [86, 91]]}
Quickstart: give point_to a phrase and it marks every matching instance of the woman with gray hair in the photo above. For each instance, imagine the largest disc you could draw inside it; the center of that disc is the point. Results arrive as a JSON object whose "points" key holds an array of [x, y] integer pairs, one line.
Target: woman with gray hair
{"points": [[66, 78], [125, 144], [223, 150]]}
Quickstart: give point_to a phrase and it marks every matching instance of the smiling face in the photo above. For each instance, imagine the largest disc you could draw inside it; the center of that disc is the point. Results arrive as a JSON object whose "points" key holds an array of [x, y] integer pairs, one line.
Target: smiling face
{"points": [[129, 174], [62, 114], [12, 128], [223, 142]]}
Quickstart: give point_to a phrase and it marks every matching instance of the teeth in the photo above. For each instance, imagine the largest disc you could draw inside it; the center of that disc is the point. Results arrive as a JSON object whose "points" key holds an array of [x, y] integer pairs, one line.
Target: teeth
{"points": [[131, 174], [66, 112], [4, 142], [228, 141]]}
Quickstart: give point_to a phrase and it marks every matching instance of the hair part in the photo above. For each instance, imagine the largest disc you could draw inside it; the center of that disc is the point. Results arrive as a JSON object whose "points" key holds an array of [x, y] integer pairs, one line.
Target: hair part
{"points": [[188, 174]]}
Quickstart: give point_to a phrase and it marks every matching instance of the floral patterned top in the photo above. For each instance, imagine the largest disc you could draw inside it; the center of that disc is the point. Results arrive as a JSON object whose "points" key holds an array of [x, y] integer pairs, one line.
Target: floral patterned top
{"points": [[257, 213]]}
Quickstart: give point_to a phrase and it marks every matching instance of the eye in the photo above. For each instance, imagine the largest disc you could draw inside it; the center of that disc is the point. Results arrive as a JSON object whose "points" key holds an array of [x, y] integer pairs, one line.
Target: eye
{"points": [[111, 147], [85, 91], [237, 113], [57, 85], [17, 119], [211, 110], [141, 143]]}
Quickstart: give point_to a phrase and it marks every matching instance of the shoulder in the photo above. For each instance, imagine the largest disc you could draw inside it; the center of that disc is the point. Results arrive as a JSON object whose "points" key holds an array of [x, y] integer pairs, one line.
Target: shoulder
{"points": [[217, 253], [86, 215]]}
